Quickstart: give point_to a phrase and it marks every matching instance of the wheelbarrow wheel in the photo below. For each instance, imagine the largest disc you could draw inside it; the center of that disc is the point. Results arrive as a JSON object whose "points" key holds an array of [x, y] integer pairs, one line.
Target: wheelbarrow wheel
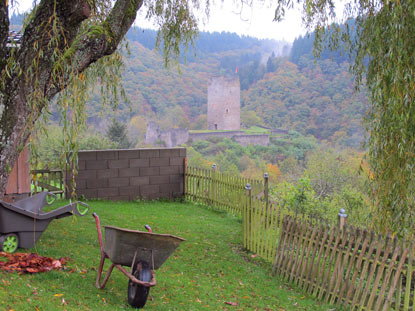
{"points": [[9, 243], [137, 294]]}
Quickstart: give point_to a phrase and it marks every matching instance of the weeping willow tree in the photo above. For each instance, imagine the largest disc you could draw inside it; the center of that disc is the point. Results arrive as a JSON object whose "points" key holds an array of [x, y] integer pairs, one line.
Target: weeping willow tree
{"points": [[380, 37], [66, 47]]}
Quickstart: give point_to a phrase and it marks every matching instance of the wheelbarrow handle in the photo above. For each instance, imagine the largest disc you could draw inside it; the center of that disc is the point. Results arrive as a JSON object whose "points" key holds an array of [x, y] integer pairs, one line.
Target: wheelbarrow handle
{"points": [[98, 224], [148, 228]]}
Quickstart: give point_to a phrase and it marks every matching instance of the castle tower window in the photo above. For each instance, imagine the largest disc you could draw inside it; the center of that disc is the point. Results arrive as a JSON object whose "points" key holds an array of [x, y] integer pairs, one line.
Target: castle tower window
{"points": [[216, 126], [227, 110]]}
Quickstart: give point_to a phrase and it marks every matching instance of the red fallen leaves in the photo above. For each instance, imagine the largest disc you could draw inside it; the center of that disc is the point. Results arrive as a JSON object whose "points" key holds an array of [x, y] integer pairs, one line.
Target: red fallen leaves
{"points": [[29, 263]]}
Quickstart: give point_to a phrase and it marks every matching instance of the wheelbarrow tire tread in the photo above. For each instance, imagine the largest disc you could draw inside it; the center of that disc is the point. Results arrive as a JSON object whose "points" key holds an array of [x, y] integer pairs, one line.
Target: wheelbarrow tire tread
{"points": [[137, 294]]}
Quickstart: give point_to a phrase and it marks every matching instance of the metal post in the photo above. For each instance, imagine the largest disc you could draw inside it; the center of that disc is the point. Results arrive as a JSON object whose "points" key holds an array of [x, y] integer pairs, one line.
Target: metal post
{"points": [[342, 216]]}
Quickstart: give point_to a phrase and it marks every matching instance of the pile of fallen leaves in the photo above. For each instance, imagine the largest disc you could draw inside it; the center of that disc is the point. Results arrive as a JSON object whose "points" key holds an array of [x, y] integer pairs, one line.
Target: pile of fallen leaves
{"points": [[29, 263]]}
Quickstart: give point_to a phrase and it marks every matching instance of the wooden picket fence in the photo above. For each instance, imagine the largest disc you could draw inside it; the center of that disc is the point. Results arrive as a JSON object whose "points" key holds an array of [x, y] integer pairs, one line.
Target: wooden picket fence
{"points": [[333, 262], [346, 265], [222, 191], [51, 180]]}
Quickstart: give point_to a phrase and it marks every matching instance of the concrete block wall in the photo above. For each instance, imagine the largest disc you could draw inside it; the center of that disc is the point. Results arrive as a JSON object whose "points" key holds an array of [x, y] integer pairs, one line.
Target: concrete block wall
{"points": [[131, 174]]}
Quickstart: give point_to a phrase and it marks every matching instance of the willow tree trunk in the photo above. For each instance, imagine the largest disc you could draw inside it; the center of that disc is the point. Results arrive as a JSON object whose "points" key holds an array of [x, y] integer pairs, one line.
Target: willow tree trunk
{"points": [[28, 73]]}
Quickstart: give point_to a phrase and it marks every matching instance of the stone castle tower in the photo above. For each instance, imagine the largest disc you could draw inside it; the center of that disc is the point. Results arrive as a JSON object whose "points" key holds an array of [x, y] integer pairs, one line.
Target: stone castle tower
{"points": [[224, 104]]}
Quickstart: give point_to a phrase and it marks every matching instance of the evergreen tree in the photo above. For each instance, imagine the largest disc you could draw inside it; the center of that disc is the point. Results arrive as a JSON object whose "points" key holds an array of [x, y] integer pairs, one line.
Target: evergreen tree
{"points": [[117, 133]]}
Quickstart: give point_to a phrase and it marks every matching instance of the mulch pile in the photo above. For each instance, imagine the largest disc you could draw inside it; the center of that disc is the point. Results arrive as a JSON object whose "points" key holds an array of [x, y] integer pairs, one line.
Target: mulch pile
{"points": [[29, 263]]}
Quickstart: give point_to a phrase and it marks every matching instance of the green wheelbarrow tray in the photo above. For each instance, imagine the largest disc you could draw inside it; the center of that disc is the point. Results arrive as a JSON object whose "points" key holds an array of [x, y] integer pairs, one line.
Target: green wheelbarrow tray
{"points": [[122, 244]]}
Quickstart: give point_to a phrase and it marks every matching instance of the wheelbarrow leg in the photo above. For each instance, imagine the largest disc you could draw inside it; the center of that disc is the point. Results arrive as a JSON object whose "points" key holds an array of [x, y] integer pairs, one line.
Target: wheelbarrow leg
{"points": [[103, 257], [107, 276]]}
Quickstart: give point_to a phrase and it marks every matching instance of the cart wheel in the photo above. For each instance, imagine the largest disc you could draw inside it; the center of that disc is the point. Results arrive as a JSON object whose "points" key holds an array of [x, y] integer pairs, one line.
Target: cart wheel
{"points": [[9, 243], [137, 294]]}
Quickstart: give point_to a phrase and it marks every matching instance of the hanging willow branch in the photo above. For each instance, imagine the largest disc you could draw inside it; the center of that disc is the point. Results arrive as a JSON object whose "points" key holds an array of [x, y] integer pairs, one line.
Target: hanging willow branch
{"points": [[67, 47]]}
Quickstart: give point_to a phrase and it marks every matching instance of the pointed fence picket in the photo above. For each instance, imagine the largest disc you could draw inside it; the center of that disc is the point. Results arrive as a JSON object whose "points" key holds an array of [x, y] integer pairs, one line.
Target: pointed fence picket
{"points": [[337, 263], [346, 266], [222, 191]]}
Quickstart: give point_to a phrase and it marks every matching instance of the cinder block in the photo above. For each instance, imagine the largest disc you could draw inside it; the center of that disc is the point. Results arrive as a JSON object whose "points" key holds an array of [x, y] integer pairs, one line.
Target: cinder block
{"points": [[118, 163], [120, 198], [137, 181], [169, 170], [169, 153], [88, 193], [159, 161], [80, 184], [183, 152], [128, 172], [163, 196], [139, 162], [108, 192], [87, 155], [96, 183], [149, 189], [96, 165], [176, 161], [149, 153], [128, 154], [87, 174], [107, 155], [169, 188], [157, 180], [130, 191], [108, 173], [149, 171], [181, 169], [151, 196], [119, 182], [81, 165], [176, 179]]}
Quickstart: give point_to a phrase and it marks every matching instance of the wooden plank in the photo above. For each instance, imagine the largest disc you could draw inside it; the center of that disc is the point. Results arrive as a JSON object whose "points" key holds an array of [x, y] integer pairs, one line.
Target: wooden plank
{"points": [[371, 274], [329, 264], [316, 244], [338, 254], [385, 282], [409, 272], [296, 257], [321, 289], [317, 264], [357, 270], [307, 247], [353, 260], [281, 245], [344, 255]]}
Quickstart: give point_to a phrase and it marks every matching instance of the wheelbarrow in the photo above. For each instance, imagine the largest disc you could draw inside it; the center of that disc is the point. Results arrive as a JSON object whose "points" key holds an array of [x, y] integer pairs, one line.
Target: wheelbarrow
{"points": [[23, 222], [143, 252]]}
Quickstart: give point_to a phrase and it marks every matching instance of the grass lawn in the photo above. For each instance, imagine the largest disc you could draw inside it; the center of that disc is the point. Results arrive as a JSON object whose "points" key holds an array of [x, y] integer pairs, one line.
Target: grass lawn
{"points": [[206, 271]]}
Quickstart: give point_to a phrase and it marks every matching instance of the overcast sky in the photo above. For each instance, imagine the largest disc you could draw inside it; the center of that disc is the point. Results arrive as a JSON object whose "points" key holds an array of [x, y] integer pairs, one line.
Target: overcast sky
{"points": [[255, 22]]}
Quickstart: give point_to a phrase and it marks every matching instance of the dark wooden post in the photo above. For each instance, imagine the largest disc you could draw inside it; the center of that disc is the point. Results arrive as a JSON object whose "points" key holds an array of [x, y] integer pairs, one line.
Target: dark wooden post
{"points": [[247, 216], [266, 198], [213, 188]]}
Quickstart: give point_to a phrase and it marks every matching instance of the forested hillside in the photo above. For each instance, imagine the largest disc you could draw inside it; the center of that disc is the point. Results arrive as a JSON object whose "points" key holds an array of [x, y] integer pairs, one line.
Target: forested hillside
{"points": [[282, 86], [312, 98]]}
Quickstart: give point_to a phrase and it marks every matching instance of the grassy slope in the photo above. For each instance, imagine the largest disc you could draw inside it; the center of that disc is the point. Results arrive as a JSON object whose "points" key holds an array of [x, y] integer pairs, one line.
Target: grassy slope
{"points": [[207, 270]]}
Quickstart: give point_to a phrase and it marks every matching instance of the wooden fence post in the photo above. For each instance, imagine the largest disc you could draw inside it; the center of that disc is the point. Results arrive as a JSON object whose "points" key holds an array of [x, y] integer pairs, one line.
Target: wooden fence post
{"points": [[213, 182], [342, 219], [246, 216]]}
